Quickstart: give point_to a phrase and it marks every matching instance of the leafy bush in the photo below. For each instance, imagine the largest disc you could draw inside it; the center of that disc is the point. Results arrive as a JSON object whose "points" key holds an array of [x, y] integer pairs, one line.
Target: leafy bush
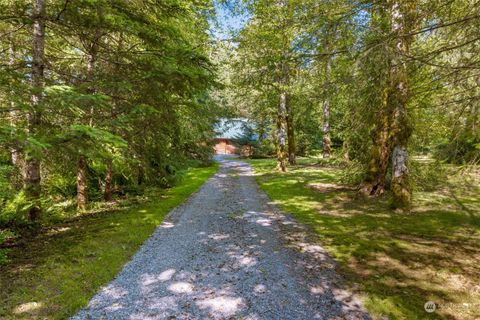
{"points": [[61, 184], [427, 176], [263, 149], [15, 209], [6, 188], [5, 235], [3, 256], [465, 149], [56, 211], [353, 173], [170, 179]]}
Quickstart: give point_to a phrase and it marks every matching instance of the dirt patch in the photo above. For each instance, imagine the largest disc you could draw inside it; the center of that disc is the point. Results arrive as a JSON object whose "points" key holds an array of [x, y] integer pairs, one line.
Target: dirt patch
{"points": [[329, 187]]}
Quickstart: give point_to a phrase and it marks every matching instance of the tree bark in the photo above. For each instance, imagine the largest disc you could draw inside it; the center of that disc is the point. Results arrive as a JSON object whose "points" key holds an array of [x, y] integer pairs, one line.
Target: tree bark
{"points": [[290, 132], [327, 143], [281, 133], [374, 184], [82, 165], [284, 115], [393, 129], [32, 163], [15, 150], [107, 193], [401, 16], [82, 193], [140, 175], [402, 196]]}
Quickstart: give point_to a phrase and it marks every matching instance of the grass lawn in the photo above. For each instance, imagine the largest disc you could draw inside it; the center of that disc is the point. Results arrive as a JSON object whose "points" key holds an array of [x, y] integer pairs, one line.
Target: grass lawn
{"points": [[398, 260], [56, 273]]}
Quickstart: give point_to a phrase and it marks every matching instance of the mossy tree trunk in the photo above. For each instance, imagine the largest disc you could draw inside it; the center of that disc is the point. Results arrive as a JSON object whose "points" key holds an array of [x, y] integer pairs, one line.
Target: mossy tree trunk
{"points": [[402, 17], [290, 133], [281, 133], [285, 123], [374, 184], [392, 133], [326, 140]]}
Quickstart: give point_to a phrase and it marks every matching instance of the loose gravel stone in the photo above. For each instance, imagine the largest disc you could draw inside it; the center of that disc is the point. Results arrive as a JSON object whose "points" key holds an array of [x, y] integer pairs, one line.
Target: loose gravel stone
{"points": [[227, 253]]}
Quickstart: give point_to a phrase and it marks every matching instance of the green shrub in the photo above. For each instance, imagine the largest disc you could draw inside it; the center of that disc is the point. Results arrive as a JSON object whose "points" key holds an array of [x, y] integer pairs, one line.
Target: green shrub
{"points": [[15, 209], [61, 184], [353, 174], [5, 235], [427, 176], [170, 180], [6, 189], [465, 149]]}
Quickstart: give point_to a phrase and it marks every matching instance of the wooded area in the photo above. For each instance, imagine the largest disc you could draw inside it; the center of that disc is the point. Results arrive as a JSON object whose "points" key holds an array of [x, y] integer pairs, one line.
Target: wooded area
{"points": [[115, 94], [99, 97], [370, 81], [107, 104]]}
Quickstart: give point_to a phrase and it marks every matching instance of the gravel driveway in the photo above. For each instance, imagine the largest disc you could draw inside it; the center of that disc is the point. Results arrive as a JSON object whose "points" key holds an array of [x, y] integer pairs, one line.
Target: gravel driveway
{"points": [[227, 253]]}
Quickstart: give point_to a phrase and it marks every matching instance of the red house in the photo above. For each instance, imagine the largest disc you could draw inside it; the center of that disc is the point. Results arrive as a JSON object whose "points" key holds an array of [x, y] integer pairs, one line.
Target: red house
{"points": [[227, 132], [224, 146]]}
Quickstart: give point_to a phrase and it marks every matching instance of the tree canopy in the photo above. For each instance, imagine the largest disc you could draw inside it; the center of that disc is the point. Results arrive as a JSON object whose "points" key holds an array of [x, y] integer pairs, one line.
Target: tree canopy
{"points": [[102, 96], [374, 81]]}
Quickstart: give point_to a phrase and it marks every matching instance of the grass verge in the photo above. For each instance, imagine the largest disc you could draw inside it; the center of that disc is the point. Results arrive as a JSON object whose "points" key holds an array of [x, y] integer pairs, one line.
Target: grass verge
{"points": [[399, 261], [54, 274]]}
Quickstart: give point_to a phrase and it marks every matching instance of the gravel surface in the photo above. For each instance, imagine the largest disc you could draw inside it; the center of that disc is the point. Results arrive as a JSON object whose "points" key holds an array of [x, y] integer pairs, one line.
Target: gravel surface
{"points": [[226, 253]]}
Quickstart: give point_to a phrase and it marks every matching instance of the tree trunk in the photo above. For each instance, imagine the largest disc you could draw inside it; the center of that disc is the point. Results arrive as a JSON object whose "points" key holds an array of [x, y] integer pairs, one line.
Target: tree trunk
{"points": [[140, 175], [281, 133], [401, 16], [290, 132], [284, 118], [327, 143], [374, 184], [402, 195], [82, 186], [32, 163], [393, 130], [15, 152], [107, 194], [82, 195], [82, 164]]}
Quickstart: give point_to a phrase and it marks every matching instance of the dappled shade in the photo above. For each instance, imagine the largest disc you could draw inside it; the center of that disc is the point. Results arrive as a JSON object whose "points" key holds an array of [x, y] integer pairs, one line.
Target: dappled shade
{"points": [[398, 260], [227, 253]]}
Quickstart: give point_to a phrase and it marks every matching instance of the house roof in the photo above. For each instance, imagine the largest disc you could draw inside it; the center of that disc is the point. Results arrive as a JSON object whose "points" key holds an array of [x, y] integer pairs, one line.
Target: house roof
{"points": [[233, 128]]}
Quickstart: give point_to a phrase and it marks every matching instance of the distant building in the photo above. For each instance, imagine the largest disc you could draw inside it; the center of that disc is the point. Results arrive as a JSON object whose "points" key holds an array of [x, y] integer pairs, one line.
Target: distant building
{"points": [[228, 134]]}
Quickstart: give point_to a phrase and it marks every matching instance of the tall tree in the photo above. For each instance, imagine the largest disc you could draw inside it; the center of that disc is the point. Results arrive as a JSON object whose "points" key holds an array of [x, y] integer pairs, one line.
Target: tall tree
{"points": [[327, 141], [393, 129], [119, 94], [267, 45], [402, 23], [282, 133], [15, 152], [32, 162], [91, 44]]}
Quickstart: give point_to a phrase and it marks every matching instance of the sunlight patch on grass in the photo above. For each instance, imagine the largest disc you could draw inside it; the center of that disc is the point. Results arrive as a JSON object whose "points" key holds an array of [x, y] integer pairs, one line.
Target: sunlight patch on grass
{"points": [[399, 261], [56, 273]]}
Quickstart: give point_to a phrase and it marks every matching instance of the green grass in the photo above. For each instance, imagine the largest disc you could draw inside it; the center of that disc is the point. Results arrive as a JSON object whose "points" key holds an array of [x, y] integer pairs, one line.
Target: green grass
{"points": [[399, 261], [56, 273]]}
